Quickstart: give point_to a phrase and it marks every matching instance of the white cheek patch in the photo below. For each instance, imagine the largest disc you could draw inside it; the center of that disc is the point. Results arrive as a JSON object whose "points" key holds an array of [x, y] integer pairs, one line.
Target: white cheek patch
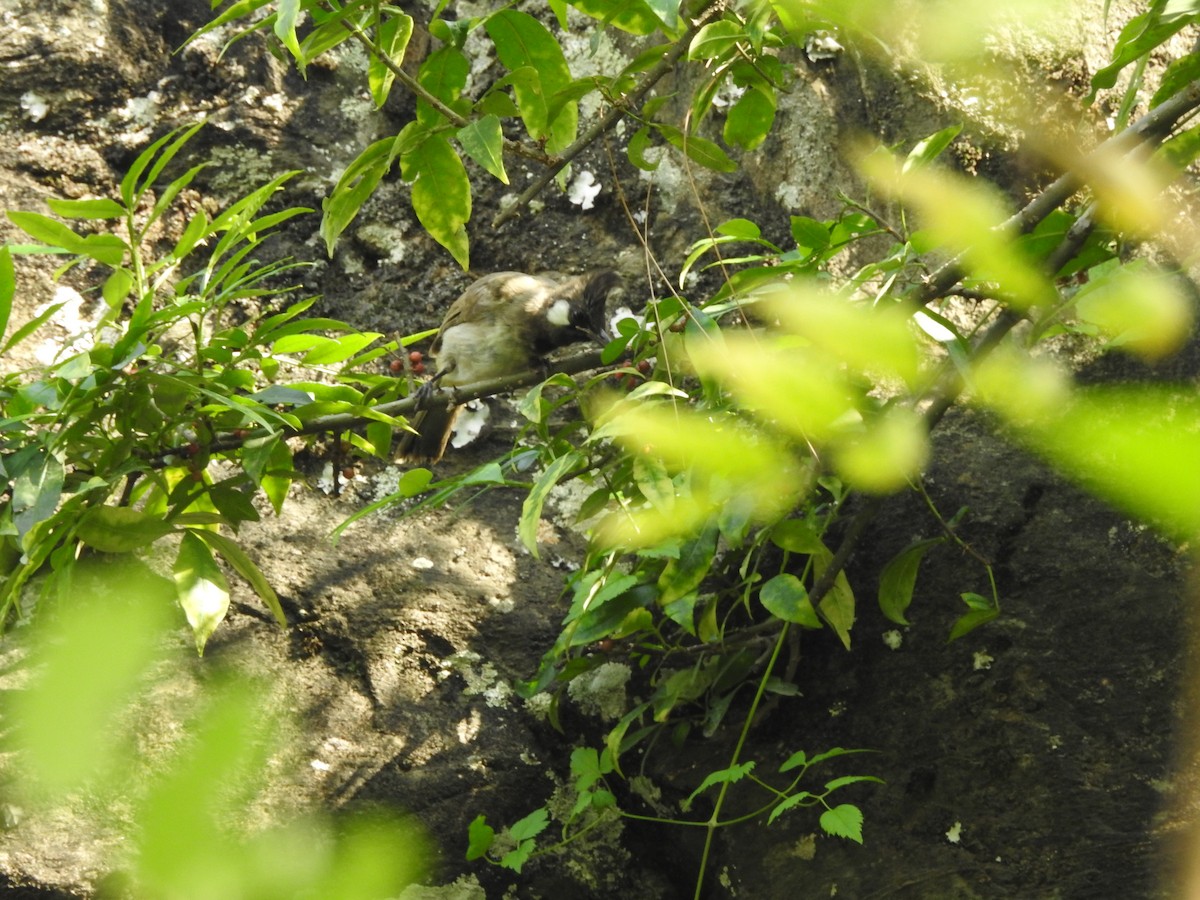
{"points": [[559, 313]]}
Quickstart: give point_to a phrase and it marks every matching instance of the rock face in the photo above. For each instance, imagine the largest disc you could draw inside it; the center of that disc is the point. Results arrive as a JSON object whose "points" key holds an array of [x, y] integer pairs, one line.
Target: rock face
{"points": [[1030, 759]]}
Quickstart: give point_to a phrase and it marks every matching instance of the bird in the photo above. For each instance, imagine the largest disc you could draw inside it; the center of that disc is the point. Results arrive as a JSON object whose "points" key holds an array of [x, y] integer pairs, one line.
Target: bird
{"points": [[502, 324]]}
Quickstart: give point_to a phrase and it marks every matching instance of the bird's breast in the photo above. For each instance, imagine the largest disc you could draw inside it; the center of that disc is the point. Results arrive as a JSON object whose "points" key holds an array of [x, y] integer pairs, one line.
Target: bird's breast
{"points": [[476, 351]]}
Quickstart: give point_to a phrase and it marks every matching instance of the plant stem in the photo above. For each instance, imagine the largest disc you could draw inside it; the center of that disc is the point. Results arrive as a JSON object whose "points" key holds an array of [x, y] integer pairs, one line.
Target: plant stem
{"points": [[714, 820]]}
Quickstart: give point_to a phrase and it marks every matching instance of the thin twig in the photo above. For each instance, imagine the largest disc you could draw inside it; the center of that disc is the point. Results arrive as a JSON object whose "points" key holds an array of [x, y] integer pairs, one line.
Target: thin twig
{"points": [[615, 112], [529, 151]]}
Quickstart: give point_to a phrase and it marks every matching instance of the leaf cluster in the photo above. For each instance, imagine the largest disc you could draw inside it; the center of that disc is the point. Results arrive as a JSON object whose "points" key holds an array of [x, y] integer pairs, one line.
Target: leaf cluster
{"points": [[755, 433], [161, 424]]}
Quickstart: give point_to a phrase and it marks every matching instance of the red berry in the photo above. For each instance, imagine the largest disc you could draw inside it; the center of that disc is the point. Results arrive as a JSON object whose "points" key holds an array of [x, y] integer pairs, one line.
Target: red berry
{"points": [[191, 449], [396, 366], [419, 368], [605, 645], [644, 367], [349, 472], [415, 357]]}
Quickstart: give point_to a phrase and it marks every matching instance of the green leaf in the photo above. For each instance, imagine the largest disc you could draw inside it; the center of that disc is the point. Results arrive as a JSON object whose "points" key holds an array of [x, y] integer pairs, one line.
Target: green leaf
{"points": [[36, 491], [379, 435], [715, 39], [335, 350], [799, 758], [791, 802], [203, 591], [844, 780], [8, 287], [533, 407], [530, 826], [1139, 36], [682, 686], [47, 230], [197, 229], [531, 509], [285, 27], [633, 16], [441, 194], [116, 287], [480, 836], [838, 606], [236, 557], [843, 821], [328, 35], [392, 37], [234, 504], [1134, 445], [357, 183], [970, 621], [798, 536], [31, 326], [517, 858], [609, 619], [523, 43], [743, 229], [93, 658], [105, 248], [614, 741], [928, 149], [102, 208], [585, 766], [752, 117], [722, 776], [809, 234], [151, 162], [833, 753], [444, 74], [120, 529], [683, 574], [1181, 150], [639, 143], [1179, 74], [483, 141], [786, 598], [899, 577], [699, 150], [589, 599]]}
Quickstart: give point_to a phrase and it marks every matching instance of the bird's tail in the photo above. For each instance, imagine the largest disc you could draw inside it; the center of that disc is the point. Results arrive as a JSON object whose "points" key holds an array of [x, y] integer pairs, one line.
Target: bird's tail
{"points": [[433, 426]]}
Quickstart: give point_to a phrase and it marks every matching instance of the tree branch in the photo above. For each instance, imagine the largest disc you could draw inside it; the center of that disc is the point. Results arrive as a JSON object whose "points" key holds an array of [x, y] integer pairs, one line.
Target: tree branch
{"points": [[570, 365], [1155, 125]]}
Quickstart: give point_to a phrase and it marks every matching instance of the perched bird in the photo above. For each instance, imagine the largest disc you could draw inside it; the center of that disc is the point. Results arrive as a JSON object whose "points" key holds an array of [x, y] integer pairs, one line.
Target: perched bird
{"points": [[502, 324]]}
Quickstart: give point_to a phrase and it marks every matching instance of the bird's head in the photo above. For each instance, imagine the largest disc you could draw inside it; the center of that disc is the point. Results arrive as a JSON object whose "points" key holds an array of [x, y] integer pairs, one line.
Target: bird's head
{"points": [[587, 313]]}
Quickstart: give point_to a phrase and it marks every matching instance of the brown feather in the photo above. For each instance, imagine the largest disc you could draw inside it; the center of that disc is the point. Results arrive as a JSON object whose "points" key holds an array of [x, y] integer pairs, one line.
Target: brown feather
{"points": [[504, 323]]}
